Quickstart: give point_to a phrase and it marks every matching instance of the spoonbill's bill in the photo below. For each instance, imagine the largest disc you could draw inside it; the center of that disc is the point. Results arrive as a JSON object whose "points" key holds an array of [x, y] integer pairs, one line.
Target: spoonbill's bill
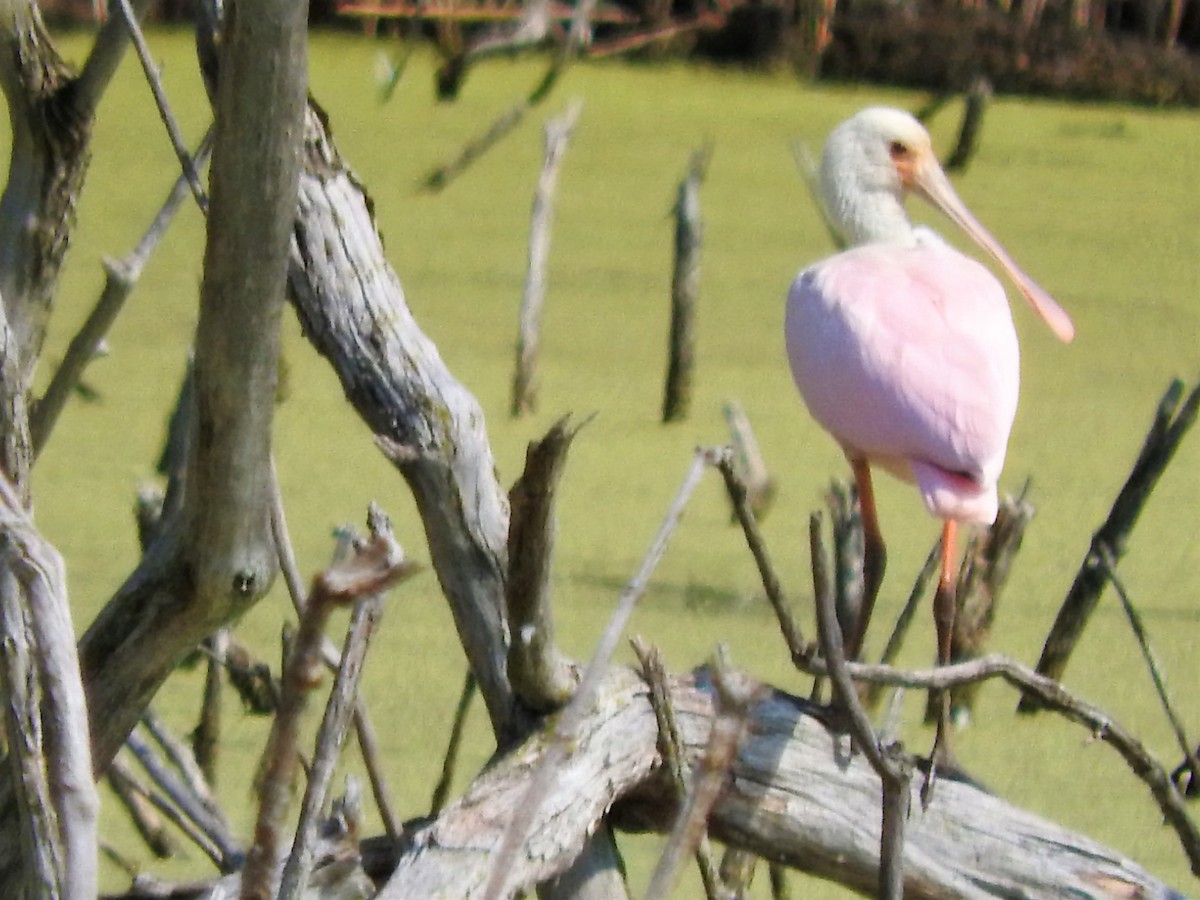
{"points": [[904, 349]]}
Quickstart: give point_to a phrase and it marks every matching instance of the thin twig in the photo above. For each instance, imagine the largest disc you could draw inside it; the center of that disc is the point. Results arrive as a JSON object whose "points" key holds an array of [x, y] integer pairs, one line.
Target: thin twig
{"points": [[120, 276], [887, 762], [135, 798], [338, 713], [734, 695], [441, 791], [1050, 694], [375, 565], [573, 714], [226, 851], [792, 635], [1173, 417], [364, 729], [900, 629], [164, 107], [185, 763], [1156, 674], [670, 748]]}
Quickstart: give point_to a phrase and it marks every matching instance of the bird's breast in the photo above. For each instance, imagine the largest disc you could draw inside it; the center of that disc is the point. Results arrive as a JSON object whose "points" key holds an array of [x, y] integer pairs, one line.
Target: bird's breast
{"points": [[907, 353]]}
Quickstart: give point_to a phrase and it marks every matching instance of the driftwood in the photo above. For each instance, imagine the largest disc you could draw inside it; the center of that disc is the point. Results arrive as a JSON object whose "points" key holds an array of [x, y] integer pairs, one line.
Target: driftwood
{"points": [[798, 794]]}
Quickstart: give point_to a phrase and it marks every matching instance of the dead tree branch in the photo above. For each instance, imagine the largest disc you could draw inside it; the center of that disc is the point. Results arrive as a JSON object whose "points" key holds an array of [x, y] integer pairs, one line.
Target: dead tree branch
{"points": [[572, 717], [557, 134], [1172, 420], [794, 794], [339, 710], [540, 675], [36, 614], [375, 565], [352, 308]]}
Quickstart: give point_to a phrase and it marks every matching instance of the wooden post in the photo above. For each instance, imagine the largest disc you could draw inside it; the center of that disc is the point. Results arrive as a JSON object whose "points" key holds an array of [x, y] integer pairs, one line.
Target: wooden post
{"points": [[978, 95], [557, 134], [748, 461], [685, 288]]}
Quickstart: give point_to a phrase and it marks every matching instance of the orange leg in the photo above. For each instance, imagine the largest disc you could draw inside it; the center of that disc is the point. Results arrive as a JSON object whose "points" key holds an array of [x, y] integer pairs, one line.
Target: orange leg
{"points": [[874, 555], [944, 610]]}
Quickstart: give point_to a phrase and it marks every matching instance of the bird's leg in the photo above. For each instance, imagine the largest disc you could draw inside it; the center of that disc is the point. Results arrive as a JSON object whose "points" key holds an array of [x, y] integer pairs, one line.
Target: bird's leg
{"points": [[944, 611], [874, 555]]}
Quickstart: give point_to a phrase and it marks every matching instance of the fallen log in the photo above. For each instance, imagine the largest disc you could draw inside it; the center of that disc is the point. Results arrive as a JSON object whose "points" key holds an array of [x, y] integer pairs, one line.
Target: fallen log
{"points": [[797, 795]]}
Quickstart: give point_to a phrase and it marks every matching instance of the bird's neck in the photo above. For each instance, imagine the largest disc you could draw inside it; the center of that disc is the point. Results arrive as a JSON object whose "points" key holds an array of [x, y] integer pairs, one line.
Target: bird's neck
{"points": [[872, 217]]}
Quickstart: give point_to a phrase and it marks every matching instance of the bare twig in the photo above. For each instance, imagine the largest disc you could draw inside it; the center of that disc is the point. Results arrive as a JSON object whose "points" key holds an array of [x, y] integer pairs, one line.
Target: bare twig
{"points": [[887, 763], [508, 121], [900, 629], [745, 514], [1152, 663], [164, 107], [206, 737], [1172, 420], [185, 764], [670, 748], [187, 809], [441, 790], [748, 460], [735, 695], [573, 714], [374, 566], [135, 798], [364, 729], [338, 712]]}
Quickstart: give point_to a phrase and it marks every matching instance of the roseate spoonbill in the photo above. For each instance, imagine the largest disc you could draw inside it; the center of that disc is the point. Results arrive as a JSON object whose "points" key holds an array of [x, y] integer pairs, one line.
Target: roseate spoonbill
{"points": [[904, 349]]}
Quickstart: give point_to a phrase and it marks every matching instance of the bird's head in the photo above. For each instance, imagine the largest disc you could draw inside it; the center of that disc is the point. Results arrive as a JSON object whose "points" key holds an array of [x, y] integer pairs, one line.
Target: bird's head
{"points": [[877, 156]]}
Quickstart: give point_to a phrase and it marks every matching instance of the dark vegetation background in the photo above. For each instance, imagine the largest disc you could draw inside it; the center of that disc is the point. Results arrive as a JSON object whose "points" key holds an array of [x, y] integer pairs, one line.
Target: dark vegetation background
{"points": [[1132, 51]]}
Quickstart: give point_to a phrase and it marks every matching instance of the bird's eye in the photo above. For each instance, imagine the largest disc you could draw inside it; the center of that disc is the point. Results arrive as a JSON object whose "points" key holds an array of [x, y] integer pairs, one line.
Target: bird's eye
{"points": [[897, 150]]}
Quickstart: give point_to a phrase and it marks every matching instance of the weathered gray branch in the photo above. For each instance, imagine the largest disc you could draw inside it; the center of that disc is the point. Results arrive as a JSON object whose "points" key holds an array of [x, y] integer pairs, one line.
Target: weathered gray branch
{"points": [[338, 713], [34, 584], [352, 308], [557, 134], [540, 675], [797, 794], [212, 563]]}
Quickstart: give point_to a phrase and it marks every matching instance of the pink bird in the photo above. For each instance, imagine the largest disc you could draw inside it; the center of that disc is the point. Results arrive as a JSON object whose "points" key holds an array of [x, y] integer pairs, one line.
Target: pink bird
{"points": [[904, 349]]}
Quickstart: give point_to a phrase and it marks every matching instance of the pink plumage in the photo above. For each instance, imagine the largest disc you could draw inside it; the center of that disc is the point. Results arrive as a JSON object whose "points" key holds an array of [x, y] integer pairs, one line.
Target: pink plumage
{"points": [[908, 357], [902, 347], [904, 350]]}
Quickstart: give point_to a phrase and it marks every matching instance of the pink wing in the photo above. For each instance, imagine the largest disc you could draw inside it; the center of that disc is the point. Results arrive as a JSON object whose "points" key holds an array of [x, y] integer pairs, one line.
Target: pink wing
{"points": [[908, 356]]}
